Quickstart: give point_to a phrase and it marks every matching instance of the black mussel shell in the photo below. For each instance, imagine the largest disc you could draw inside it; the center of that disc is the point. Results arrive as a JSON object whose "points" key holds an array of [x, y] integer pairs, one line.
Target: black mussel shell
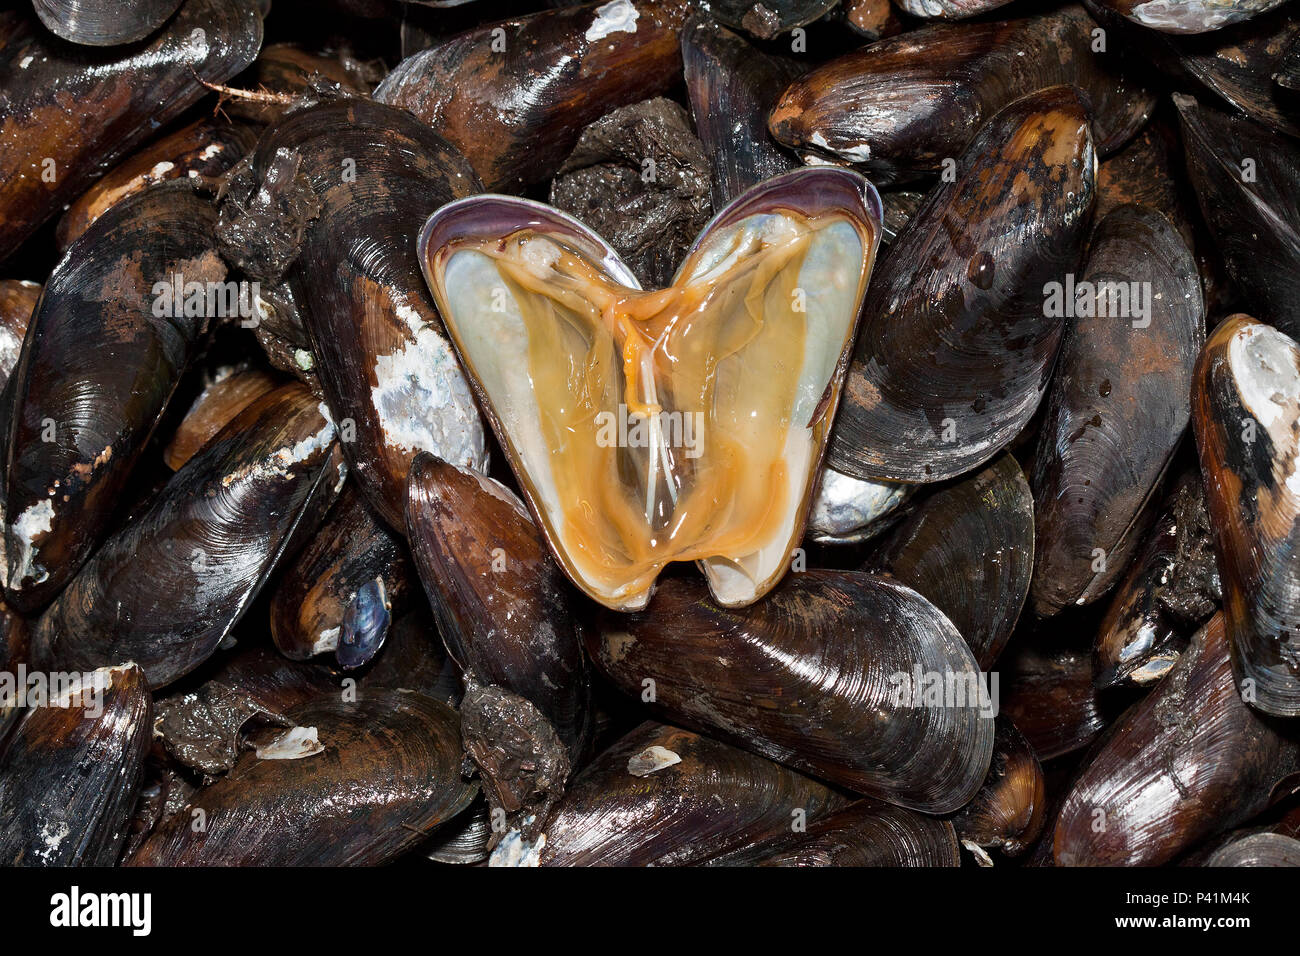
{"points": [[104, 22], [1010, 809], [867, 833]]}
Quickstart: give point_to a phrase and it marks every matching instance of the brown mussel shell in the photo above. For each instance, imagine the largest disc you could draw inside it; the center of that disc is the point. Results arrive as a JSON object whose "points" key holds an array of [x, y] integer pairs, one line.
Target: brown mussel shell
{"points": [[732, 88], [1187, 761], [1118, 406], [1049, 695], [904, 106], [18, 299], [769, 19], [167, 588], [667, 797], [1247, 180], [503, 606], [867, 833], [1246, 410], [71, 769], [388, 772], [969, 549], [71, 112], [389, 375], [106, 348], [827, 675], [323, 588], [203, 150], [1010, 809], [954, 349], [229, 393], [513, 96], [281, 73]]}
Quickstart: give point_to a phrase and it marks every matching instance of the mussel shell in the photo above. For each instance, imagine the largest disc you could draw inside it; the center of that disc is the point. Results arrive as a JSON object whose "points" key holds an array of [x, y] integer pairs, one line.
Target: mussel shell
{"points": [[1049, 695], [230, 392], [826, 675], [71, 769], [950, 9], [666, 797], [18, 299], [101, 360], [732, 87], [951, 363], [1118, 407], [848, 510], [463, 840], [1245, 408], [81, 109], [867, 833], [770, 18], [1010, 809], [1246, 180], [503, 607], [285, 71], [901, 107], [969, 549], [379, 348], [166, 589], [1183, 17], [333, 578], [1187, 761], [389, 773], [203, 150], [1258, 849], [514, 96], [413, 657], [104, 22]]}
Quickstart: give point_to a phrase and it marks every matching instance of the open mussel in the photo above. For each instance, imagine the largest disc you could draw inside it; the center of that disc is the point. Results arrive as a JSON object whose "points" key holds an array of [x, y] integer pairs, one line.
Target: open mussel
{"points": [[353, 783], [957, 343], [353, 180], [969, 549], [843, 675], [513, 96], [71, 112], [911, 104], [628, 415], [120, 319], [1246, 412], [867, 833], [1118, 406], [71, 769], [167, 588], [1187, 761], [666, 797]]}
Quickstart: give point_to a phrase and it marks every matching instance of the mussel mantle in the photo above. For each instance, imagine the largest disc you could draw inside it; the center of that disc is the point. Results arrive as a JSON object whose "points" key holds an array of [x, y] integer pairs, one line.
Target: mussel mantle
{"points": [[684, 424]]}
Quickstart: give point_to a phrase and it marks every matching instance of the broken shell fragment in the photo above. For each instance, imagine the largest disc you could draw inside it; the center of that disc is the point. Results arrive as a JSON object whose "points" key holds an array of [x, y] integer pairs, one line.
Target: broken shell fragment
{"points": [[629, 416]]}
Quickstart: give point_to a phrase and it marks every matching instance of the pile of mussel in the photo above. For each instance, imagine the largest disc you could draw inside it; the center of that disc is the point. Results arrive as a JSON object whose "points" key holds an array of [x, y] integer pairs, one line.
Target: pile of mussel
{"points": [[374, 372]]}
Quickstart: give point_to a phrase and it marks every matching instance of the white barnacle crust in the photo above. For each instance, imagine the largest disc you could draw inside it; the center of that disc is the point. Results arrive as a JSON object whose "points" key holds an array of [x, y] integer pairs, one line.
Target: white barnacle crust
{"points": [[1265, 365], [423, 401], [36, 520], [514, 850], [294, 744], [651, 759], [618, 16]]}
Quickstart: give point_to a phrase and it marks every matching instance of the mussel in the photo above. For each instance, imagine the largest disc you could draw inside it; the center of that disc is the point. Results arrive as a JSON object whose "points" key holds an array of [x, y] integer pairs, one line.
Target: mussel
{"points": [[843, 675], [104, 22], [1201, 16], [867, 833], [628, 415], [1246, 412], [957, 341]]}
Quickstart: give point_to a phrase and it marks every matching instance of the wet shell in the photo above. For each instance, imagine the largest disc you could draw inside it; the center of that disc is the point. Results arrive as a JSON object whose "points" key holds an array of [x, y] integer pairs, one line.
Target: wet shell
{"points": [[71, 112], [378, 345], [950, 9], [770, 18], [666, 797], [1118, 408], [1190, 16], [18, 300], [166, 589], [1050, 697], [202, 150], [70, 771], [101, 360], [954, 349], [514, 96], [901, 107], [867, 833], [1258, 849], [1010, 809], [1246, 180], [220, 401], [388, 772], [104, 22], [1246, 412], [829, 675], [1189, 760], [969, 549]]}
